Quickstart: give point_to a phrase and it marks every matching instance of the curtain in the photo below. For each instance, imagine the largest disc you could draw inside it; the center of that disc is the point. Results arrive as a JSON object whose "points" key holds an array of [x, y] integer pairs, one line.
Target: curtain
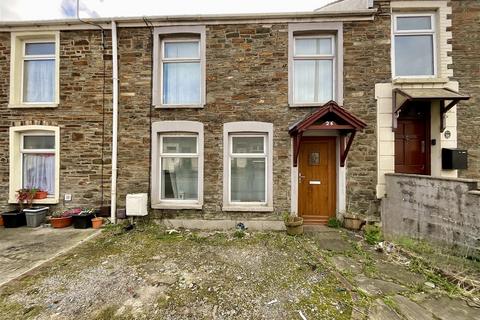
{"points": [[39, 81], [181, 83], [313, 81], [39, 172]]}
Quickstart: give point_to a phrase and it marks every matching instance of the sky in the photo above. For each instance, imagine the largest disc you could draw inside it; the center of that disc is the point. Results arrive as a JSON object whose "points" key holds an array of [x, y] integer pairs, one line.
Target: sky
{"points": [[11, 10]]}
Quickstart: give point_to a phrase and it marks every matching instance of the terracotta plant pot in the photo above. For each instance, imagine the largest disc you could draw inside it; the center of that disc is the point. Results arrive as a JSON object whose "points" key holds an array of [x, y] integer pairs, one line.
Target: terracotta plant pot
{"points": [[61, 222], [40, 195], [294, 226], [97, 223], [352, 223]]}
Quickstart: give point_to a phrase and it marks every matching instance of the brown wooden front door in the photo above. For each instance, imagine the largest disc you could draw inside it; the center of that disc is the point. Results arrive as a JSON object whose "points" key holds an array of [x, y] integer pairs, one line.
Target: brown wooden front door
{"points": [[317, 179], [412, 140]]}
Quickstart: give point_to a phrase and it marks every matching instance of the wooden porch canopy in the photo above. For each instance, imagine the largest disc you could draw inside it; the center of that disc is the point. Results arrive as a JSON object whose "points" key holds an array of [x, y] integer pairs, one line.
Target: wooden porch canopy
{"points": [[401, 97], [330, 116]]}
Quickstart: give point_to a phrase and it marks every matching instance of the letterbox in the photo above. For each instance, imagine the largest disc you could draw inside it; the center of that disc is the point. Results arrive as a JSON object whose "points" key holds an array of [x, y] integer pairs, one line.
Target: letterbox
{"points": [[454, 158]]}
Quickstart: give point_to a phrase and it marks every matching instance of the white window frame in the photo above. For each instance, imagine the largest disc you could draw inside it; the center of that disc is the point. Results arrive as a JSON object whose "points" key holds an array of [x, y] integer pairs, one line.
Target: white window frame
{"points": [[334, 29], [17, 63], [177, 34], [25, 58], [162, 129], [163, 155], [328, 57], [16, 159], [428, 32], [233, 155], [248, 129]]}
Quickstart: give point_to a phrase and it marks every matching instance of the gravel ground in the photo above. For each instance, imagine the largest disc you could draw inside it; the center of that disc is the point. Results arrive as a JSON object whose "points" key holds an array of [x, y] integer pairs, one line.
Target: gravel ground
{"points": [[151, 273]]}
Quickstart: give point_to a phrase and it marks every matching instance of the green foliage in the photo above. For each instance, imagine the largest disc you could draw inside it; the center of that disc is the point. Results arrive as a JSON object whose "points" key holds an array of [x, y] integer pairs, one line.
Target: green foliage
{"points": [[239, 234], [334, 223], [373, 234]]}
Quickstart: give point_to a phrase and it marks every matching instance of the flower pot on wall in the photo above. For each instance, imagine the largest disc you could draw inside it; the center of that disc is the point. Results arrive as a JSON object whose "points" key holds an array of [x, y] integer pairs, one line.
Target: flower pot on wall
{"points": [[294, 226]]}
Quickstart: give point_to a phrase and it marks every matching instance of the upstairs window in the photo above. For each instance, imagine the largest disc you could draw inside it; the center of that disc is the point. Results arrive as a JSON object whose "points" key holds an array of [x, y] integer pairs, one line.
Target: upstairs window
{"points": [[179, 67], [34, 69], [414, 45], [313, 69], [181, 72], [38, 72]]}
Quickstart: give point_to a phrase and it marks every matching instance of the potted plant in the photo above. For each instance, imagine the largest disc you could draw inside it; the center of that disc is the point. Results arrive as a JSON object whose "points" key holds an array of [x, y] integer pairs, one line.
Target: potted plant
{"points": [[96, 221], [16, 218], [60, 219], [25, 196], [293, 224], [83, 220], [40, 194], [352, 221]]}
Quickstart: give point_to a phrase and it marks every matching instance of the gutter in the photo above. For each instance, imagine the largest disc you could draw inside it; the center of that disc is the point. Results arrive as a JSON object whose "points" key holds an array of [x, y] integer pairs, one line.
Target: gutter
{"points": [[113, 194], [194, 19]]}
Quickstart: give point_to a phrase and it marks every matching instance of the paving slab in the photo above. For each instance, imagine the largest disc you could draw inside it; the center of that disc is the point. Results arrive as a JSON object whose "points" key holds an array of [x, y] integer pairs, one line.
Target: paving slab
{"points": [[22, 249], [410, 310], [400, 274], [380, 311], [377, 287], [332, 241], [346, 264], [446, 308]]}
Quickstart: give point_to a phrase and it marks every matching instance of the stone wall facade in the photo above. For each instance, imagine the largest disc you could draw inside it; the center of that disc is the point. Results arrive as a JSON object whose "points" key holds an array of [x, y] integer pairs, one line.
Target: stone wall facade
{"points": [[246, 80], [466, 70], [83, 115]]}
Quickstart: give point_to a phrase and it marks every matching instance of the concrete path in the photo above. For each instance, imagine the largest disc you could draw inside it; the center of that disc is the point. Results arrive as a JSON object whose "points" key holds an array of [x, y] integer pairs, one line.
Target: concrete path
{"points": [[22, 249]]}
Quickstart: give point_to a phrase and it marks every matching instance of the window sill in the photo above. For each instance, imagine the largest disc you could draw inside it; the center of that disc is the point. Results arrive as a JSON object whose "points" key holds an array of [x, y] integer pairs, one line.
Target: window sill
{"points": [[177, 206], [306, 105], [38, 201], [191, 106], [33, 106], [405, 80], [248, 208]]}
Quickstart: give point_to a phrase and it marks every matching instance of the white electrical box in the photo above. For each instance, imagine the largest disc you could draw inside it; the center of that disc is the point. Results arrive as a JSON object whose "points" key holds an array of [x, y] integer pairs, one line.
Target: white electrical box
{"points": [[137, 204]]}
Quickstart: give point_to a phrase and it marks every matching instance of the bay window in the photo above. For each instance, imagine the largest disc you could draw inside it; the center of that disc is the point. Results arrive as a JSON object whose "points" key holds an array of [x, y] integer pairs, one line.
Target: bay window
{"points": [[414, 45]]}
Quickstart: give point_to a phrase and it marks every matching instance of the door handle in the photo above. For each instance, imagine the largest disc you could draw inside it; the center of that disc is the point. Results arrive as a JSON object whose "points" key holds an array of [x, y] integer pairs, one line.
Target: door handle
{"points": [[300, 177]]}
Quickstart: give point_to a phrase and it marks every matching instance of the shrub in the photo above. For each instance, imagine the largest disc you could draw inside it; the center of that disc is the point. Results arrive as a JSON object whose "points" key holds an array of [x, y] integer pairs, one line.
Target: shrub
{"points": [[373, 234], [334, 223]]}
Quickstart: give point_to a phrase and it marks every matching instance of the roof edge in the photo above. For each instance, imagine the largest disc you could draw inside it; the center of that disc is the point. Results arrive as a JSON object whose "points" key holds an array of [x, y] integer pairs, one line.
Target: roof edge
{"points": [[189, 18]]}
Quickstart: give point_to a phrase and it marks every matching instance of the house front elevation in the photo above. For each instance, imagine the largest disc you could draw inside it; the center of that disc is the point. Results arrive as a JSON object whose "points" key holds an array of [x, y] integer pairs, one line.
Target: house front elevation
{"points": [[233, 117]]}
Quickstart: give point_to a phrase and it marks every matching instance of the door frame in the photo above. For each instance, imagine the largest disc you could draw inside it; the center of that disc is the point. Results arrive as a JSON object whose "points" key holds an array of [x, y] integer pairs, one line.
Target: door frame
{"points": [[428, 138], [340, 173]]}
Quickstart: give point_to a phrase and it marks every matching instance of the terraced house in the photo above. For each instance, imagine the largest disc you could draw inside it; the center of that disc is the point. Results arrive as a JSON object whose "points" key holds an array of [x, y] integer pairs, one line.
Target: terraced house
{"points": [[227, 118]]}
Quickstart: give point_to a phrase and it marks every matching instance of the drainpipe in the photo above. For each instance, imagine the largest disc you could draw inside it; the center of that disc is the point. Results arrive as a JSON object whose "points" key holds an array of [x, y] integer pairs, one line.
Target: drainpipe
{"points": [[113, 195]]}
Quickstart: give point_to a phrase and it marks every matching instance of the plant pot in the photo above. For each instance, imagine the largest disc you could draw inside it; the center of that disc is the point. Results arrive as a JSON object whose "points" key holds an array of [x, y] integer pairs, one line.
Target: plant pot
{"points": [[82, 221], [61, 222], [294, 227], [35, 216], [40, 195], [97, 223], [352, 223], [14, 219]]}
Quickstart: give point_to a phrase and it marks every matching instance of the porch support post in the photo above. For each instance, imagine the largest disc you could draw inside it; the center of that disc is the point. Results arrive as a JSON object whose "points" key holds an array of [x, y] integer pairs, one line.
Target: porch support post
{"points": [[344, 154], [296, 147]]}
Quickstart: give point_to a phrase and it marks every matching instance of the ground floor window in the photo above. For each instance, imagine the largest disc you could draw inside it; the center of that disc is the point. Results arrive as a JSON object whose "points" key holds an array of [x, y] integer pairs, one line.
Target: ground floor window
{"points": [[34, 160], [177, 165], [248, 166]]}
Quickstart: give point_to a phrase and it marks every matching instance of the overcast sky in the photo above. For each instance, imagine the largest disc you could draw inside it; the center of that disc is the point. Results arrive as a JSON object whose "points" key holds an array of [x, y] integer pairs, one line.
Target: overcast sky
{"points": [[60, 9]]}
